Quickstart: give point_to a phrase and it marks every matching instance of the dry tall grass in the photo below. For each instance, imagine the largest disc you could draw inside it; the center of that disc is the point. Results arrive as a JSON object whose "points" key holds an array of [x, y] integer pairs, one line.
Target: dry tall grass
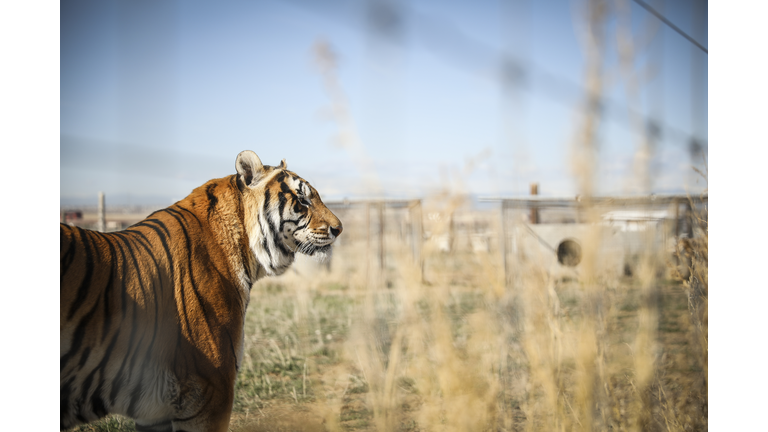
{"points": [[455, 348]]}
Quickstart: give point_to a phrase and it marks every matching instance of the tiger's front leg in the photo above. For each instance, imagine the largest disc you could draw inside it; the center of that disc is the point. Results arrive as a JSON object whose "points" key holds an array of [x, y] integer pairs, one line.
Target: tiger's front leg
{"points": [[214, 418], [203, 406]]}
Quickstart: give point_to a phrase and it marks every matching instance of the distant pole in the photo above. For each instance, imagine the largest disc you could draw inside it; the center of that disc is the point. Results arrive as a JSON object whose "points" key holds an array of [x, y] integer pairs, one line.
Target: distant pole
{"points": [[102, 224], [676, 206], [368, 243], [417, 236], [381, 238], [689, 219], [503, 240], [534, 208]]}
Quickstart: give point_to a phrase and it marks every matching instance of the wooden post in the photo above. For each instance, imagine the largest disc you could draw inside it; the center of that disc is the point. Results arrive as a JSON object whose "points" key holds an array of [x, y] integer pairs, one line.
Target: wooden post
{"points": [[534, 208], [381, 237], [101, 224], [503, 241], [676, 206], [417, 236], [368, 243]]}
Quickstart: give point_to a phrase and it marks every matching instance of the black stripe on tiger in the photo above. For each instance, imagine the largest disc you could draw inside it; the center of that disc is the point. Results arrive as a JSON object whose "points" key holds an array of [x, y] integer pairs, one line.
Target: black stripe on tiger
{"points": [[124, 244], [192, 215], [277, 228], [190, 273], [79, 335], [135, 393], [265, 229], [161, 232], [69, 255], [108, 292], [82, 291], [84, 357], [66, 391], [120, 375], [97, 403], [212, 200]]}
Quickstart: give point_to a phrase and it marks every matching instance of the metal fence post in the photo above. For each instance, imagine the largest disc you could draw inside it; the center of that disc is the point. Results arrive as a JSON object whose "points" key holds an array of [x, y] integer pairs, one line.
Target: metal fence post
{"points": [[503, 241]]}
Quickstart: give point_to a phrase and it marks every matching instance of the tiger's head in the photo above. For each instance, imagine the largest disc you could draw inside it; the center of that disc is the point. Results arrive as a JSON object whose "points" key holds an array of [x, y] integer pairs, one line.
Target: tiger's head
{"points": [[283, 214]]}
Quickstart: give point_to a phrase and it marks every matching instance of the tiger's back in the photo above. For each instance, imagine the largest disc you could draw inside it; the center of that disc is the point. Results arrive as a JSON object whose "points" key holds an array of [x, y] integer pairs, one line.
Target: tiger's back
{"points": [[152, 317]]}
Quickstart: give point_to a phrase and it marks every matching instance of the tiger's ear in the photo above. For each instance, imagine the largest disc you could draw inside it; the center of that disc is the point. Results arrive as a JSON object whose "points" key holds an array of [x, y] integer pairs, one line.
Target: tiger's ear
{"points": [[283, 165], [249, 167]]}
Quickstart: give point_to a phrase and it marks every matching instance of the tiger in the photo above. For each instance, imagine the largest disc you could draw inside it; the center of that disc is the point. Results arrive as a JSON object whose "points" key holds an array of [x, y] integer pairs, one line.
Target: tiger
{"points": [[152, 316]]}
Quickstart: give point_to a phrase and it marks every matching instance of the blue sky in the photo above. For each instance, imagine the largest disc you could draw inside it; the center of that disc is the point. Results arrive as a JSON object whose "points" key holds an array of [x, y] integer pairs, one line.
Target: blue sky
{"points": [[158, 97]]}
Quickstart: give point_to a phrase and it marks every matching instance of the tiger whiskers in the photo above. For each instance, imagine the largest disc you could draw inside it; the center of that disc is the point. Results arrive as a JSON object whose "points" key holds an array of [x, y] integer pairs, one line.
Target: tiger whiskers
{"points": [[320, 254]]}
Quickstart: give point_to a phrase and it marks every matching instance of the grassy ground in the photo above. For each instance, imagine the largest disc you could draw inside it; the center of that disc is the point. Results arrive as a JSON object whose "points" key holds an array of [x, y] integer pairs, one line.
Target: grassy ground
{"points": [[359, 348]]}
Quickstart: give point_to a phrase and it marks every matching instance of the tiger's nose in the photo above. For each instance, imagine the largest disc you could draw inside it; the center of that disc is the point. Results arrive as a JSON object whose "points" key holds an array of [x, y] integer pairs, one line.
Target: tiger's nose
{"points": [[337, 230]]}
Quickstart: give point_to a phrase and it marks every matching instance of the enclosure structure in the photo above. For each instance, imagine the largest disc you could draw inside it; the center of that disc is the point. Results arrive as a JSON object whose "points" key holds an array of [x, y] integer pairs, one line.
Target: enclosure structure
{"points": [[624, 227]]}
